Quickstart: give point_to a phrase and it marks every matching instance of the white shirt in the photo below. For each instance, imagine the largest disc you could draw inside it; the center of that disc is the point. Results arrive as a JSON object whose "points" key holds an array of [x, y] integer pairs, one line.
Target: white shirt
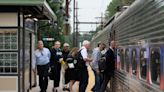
{"points": [[84, 52], [41, 57]]}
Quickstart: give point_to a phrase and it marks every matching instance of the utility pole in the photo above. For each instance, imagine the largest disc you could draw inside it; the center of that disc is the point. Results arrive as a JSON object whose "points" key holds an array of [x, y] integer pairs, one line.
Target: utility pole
{"points": [[76, 35], [101, 23], [74, 6]]}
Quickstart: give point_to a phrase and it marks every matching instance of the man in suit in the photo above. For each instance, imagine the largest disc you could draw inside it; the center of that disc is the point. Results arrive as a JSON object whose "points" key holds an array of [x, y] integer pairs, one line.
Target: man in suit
{"points": [[110, 66]]}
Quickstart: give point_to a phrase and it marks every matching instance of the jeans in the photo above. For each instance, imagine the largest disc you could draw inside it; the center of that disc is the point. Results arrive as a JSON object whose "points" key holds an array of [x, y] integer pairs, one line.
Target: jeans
{"points": [[106, 79], [98, 79]]}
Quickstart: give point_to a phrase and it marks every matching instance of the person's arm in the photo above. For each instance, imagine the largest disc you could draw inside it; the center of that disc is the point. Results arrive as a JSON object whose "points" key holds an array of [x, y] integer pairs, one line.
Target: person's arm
{"points": [[95, 57], [85, 55]]}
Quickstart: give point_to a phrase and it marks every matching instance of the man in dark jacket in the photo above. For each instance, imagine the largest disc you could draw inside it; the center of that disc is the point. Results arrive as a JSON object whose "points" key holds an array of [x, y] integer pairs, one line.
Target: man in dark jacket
{"points": [[55, 63], [110, 66]]}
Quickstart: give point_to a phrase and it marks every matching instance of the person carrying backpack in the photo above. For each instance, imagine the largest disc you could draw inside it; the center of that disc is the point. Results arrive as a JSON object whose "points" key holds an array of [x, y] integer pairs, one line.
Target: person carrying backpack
{"points": [[82, 62]]}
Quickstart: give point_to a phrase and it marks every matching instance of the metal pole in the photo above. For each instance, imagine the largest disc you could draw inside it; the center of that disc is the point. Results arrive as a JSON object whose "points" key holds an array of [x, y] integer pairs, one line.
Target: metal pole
{"points": [[73, 22], [76, 23]]}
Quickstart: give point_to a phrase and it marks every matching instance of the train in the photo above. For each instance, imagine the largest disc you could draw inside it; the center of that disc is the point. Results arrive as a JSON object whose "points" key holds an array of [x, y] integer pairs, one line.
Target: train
{"points": [[139, 35]]}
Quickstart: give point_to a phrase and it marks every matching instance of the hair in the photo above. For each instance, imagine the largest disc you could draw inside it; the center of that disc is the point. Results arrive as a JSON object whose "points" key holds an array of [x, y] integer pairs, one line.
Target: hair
{"points": [[85, 42], [112, 42], [104, 46], [65, 44], [40, 41], [100, 43], [57, 42], [73, 50]]}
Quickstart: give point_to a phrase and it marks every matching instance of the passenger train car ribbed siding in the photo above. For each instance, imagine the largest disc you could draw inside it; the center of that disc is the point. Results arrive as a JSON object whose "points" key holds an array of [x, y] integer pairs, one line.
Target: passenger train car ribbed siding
{"points": [[139, 33]]}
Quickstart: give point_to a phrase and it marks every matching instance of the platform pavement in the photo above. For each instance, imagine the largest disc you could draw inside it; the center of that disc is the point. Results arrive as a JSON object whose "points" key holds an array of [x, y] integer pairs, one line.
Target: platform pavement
{"points": [[91, 82]]}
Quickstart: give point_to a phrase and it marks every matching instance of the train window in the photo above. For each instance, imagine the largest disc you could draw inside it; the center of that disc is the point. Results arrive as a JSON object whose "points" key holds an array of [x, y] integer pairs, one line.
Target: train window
{"points": [[143, 65], [155, 65], [134, 61], [122, 58], [127, 60]]}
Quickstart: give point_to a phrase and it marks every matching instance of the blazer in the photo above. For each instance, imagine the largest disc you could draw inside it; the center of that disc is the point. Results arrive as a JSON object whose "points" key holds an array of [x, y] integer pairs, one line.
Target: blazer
{"points": [[110, 62]]}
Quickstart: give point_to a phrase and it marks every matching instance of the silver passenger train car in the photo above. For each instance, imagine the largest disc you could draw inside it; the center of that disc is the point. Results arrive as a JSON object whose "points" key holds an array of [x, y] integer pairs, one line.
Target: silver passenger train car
{"points": [[139, 33]]}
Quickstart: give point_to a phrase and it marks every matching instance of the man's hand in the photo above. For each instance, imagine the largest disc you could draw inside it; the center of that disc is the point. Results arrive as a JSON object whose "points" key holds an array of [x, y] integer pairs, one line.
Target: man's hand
{"points": [[88, 59], [60, 60]]}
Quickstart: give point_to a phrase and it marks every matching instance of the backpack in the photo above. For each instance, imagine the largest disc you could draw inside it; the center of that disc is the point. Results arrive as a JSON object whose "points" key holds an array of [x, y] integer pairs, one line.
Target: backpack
{"points": [[102, 63], [80, 62]]}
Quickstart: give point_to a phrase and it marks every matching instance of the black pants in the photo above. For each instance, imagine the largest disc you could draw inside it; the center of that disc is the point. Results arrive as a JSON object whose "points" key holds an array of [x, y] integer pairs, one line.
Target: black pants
{"points": [[83, 79], [56, 68], [106, 78], [43, 76]]}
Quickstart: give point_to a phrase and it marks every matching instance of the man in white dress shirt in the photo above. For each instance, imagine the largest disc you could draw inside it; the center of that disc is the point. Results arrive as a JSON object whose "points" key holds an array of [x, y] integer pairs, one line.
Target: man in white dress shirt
{"points": [[41, 61], [83, 70]]}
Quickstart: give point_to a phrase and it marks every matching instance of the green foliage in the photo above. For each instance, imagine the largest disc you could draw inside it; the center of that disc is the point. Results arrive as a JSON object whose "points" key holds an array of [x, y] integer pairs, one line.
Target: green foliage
{"points": [[112, 7], [49, 31]]}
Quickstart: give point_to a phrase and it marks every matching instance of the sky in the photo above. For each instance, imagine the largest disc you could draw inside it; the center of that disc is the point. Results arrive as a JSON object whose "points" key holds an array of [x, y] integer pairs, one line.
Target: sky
{"points": [[89, 11]]}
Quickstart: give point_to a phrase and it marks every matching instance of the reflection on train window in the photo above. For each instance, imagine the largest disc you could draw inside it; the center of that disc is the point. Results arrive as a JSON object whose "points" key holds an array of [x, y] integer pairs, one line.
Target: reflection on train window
{"points": [[127, 59], [143, 65], [134, 61], [155, 65], [122, 58]]}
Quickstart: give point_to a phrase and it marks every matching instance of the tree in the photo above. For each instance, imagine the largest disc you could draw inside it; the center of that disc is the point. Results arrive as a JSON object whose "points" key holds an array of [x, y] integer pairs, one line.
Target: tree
{"points": [[51, 31], [112, 7]]}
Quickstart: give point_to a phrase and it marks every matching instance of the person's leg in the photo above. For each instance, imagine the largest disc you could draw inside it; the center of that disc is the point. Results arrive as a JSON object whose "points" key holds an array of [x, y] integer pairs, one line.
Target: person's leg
{"points": [[71, 85], [96, 88], [83, 80], [104, 83], [65, 80], [56, 72], [77, 86], [41, 82], [40, 74], [45, 78]]}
